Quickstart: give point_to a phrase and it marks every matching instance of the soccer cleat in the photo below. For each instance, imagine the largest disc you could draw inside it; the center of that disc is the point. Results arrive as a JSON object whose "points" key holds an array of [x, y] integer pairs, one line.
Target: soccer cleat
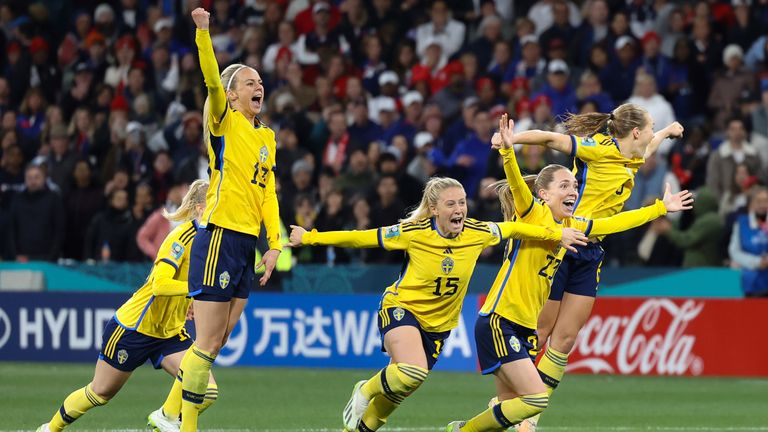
{"points": [[455, 426], [355, 408], [43, 428], [526, 425], [158, 422]]}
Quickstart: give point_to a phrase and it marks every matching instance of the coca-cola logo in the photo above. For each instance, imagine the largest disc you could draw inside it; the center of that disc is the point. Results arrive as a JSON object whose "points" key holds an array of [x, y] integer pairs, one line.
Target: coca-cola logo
{"points": [[652, 340]]}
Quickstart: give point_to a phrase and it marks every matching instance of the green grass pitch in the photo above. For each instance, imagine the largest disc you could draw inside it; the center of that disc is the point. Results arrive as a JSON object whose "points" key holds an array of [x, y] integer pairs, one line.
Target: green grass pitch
{"points": [[261, 399]]}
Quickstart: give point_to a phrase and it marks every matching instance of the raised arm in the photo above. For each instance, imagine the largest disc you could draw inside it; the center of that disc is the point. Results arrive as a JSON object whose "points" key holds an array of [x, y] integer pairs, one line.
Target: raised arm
{"points": [[521, 194], [634, 218], [674, 130], [351, 239], [208, 64]]}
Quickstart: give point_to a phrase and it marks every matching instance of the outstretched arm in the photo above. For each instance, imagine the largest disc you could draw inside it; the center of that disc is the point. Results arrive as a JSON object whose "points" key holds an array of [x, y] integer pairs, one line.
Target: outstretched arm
{"points": [[553, 140], [568, 237], [208, 64], [521, 194], [352, 239], [674, 130], [623, 221]]}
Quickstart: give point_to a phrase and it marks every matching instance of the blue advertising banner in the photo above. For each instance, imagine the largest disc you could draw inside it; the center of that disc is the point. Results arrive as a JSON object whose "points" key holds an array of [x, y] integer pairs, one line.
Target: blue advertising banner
{"points": [[303, 330]]}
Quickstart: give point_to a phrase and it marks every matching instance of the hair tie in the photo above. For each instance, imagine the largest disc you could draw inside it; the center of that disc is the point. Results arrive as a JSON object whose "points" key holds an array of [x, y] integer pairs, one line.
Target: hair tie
{"points": [[229, 83]]}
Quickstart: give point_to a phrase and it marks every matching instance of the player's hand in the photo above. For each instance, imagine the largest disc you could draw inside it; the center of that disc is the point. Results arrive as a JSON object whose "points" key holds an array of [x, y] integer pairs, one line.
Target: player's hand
{"points": [[268, 261], [202, 18], [297, 232], [674, 130], [572, 238], [191, 312], [507, 131], [496, 141], [682, 200]]}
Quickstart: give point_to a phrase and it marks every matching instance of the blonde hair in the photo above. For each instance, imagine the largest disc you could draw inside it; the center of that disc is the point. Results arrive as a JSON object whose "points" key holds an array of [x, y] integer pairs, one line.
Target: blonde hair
{"points": [[194, 197], [619, 122], [432, 190], [228, 82], [502, 189]]}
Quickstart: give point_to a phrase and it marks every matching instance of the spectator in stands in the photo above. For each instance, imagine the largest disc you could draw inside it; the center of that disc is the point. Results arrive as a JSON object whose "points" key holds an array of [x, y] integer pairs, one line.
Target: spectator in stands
{"points": [[154, 230], [748, 247], [542, 14], [646, 95], [489, 32], [284, 46], [410, 188], [451, 98], [331, 217], [561, 28], [706, 59], [81, 202], [736, 198], [689, 157], [701, 241], [593, 30], [654, 63], [722, 163], [61, 161], [619, 76], [446, 31], [125, 52], [503, 64], [11, 170], [322, 41], [111, 235], [673, 32], [357, 178], [143, 204], [728, 86], [557, 88], [469, 160], [760, 115], [362, 129], [36, 221], [591, 90]]}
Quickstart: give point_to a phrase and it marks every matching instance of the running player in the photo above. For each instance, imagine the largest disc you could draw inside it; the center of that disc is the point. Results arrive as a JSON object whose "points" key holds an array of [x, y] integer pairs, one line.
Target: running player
{"points": [[149, 326], [241, 150], [608, 149], [421, 307], [505, 332]]}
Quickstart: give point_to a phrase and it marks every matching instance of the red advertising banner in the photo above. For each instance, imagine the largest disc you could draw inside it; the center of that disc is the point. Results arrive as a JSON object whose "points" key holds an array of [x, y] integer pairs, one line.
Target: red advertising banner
{"points": [[663, 336]]}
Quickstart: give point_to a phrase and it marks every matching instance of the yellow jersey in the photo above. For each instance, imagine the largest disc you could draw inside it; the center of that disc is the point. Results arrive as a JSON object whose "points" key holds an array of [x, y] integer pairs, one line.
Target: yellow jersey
{"points": [[605, 176], [436, 269], [241, 160], [523, 283], [159, 307]]}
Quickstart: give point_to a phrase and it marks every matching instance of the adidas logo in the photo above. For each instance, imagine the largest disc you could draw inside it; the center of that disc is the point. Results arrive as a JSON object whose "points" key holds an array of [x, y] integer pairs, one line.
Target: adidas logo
{"points": [[448, 251]]}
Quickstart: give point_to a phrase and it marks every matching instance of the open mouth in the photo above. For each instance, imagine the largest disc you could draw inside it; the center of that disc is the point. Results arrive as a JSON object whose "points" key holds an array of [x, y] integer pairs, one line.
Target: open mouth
{"points": [[257, 98], [457, 222], [569, 204]]}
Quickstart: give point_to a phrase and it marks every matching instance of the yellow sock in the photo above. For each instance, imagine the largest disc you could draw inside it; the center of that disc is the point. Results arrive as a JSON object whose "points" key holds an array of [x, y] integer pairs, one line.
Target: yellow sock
{"points": [[379, 409], [196, 367], [395, 382], [211, 394], [552, 368], [507, 413], [74, 406], [172, 405]]}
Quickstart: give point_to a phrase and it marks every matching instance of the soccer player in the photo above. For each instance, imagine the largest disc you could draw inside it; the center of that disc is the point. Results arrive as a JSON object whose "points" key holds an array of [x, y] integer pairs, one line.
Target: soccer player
{"points": [[608, 149], [505, 332], [241, 151], [149, 326], [421, 307]]}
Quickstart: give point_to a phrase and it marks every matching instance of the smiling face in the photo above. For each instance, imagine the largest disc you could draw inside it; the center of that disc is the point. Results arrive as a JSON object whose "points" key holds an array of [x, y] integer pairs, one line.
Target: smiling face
{"points": [[248, 93], [561, 193], [450, 211]]}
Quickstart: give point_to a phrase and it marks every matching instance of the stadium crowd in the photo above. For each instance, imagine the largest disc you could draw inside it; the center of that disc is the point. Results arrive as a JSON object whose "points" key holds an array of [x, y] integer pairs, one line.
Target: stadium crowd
{"points": [[101, 106]]}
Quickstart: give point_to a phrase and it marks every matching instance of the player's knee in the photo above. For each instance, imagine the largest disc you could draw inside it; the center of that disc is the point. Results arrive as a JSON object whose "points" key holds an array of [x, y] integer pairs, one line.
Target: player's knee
{"points": [[410, 377], [103, 391], [564, 340], [211, 347]]}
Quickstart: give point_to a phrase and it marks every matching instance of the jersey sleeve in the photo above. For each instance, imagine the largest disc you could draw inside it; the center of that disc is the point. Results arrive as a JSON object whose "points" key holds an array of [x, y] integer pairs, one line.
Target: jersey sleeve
{"points": [[271, 212], [521, 194], [524, 231], [588, 149], [625, 220], [218, 110], [352, 239], [167, 263], [172, 250]]}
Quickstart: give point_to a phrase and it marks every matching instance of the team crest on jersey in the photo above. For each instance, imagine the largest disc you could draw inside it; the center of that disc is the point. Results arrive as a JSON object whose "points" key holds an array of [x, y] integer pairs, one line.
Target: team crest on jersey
{"points": [[398, 313], [263, 154], [588, 141], [177, 250], [122, 356], [392, 231], [224, 280], [514, 343], [447, 265]]}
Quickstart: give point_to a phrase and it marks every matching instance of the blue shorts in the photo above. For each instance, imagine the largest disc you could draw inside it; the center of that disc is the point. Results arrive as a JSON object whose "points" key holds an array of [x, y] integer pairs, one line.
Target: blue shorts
{"points": [[126, 350], [221, 264], [578, 273], [397, 317], [500, 341]]}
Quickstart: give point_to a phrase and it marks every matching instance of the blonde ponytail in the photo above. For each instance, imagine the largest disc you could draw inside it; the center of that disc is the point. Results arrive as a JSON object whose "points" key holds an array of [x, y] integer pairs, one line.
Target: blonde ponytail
{"points": [[429, 198], [228, 82], [194, 197], [505, 195]]}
